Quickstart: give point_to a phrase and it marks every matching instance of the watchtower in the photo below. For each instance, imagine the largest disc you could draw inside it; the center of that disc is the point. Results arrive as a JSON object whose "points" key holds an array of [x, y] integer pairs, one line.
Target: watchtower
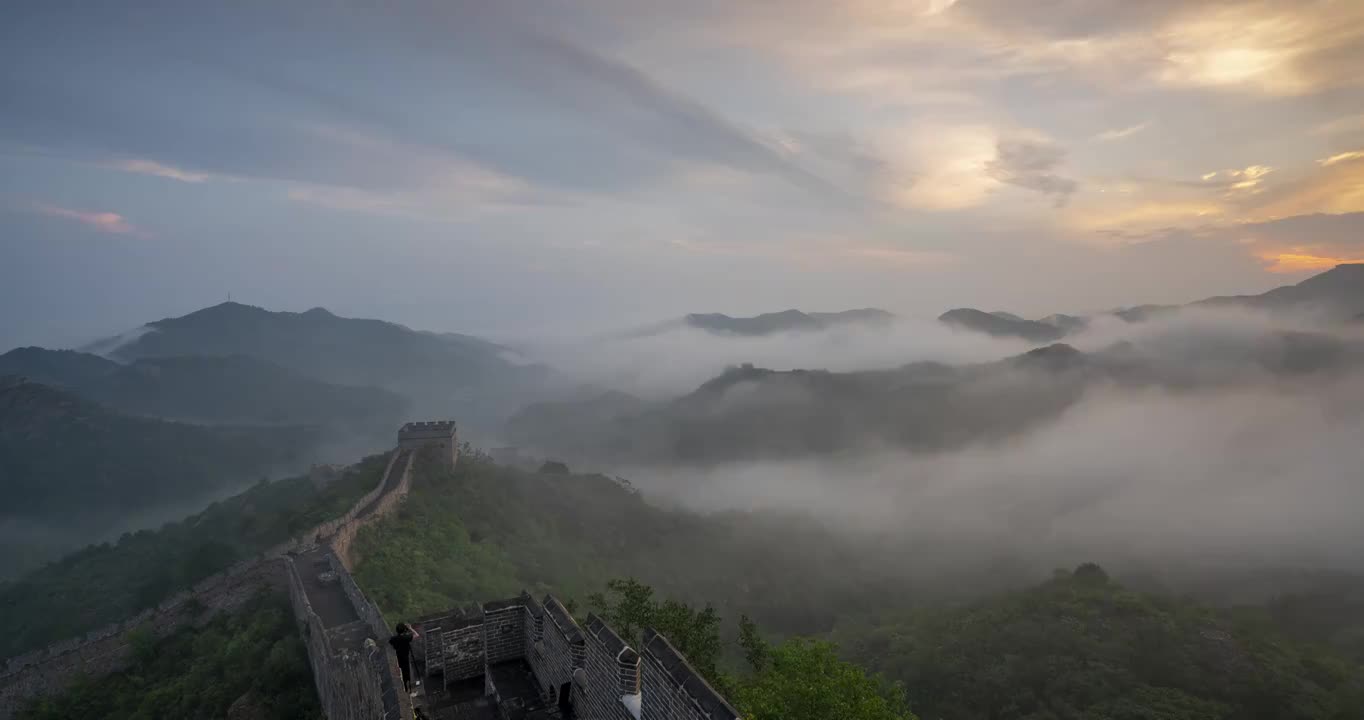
{"points": [[435, 433]]}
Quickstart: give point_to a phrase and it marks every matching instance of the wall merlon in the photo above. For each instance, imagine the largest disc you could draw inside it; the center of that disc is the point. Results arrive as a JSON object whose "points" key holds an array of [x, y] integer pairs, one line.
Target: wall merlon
{"points": [[661, 657], [562, 619]]}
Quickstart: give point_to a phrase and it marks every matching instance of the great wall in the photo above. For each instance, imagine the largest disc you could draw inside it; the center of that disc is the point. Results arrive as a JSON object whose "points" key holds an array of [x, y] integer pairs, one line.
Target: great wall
{"points": [[500, 660]]}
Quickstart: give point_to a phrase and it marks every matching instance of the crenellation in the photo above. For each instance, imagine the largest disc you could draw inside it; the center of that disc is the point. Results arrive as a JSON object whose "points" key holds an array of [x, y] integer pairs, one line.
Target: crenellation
{"points": [[672, 688], [438, 434]]}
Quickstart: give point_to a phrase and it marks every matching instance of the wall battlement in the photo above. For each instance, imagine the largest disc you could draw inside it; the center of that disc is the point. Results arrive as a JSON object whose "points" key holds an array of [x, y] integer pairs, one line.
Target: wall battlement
{"points": [[588, 666], [438, 434]]}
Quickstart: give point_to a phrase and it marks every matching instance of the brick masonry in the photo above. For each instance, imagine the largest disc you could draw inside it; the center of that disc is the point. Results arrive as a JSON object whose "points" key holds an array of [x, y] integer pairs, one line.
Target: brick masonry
{"points": [[607, 678], [504, 630], [672, 688]]}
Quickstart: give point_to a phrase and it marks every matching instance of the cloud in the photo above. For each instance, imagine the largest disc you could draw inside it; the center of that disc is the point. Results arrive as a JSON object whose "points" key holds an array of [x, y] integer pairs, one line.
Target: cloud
{"points": [[938, 167], [108, 222], [1340, 125], [1342, 157], [1261, 473], [150, 167], [1029, 163], [1287, 262], [1335, 185], [492, 84], [1120, 133], [1245, 180]]}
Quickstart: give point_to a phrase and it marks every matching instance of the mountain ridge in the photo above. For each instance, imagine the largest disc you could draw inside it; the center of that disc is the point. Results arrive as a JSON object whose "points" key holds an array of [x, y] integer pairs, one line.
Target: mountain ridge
{"points": [[227, 389], [1337, 293], [82, 471], [434, 371]]}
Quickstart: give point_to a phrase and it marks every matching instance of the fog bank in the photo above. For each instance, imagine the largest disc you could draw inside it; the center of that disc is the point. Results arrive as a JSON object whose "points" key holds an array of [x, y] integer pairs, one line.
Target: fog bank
{"points": [[1274, 473]]}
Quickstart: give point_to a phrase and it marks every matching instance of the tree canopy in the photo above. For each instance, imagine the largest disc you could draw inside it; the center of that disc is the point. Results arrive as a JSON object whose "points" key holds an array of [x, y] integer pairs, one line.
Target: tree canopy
{"points": [[254, 658]]}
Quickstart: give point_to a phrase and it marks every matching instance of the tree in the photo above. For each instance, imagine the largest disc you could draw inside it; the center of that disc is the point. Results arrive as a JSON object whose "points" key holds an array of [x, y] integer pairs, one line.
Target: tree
{"points": [[798, 680], [805, 680], [629, 606], [755, 648]]}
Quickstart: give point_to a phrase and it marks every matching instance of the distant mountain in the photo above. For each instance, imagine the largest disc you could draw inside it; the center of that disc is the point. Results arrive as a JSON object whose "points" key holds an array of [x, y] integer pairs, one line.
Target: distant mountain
{"points": [[233, 389], [1001, 325], [785, 321], [438, 372], [1065, 323], [74, 472], [751, 413], [1337, 293]]}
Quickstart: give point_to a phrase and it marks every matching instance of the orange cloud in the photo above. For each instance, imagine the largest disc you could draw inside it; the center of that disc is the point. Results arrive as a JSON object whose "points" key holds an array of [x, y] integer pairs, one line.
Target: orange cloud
{"points": [[103, 221], [1290, 262]]}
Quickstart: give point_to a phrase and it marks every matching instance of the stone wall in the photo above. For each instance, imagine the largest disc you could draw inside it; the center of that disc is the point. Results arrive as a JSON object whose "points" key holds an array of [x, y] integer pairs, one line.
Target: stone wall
{"points": [[608, 679], [612, 670], [671, 688], [504, 630], [376, 504], [561, 648], [109, 649], [438, 434], [348, 686], [534, 645]]}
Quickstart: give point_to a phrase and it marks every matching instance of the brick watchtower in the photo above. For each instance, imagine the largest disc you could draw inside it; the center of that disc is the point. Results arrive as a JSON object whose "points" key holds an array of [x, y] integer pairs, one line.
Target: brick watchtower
{"points": [[437, 433]]}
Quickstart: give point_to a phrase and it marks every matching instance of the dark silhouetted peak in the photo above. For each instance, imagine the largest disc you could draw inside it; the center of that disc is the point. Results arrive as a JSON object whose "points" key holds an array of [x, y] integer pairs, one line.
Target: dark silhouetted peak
{"points": [[733, 375], [785, 321], [60, 367], [1142, 313], [1006, 315], [1065, 323], [1058, 356], [224, 311], [1338, 291], [865, 316], [319, 312], [991, 324]]}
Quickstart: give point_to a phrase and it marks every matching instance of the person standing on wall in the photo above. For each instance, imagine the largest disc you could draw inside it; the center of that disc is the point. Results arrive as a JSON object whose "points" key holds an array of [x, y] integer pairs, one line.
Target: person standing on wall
{"points": [[402, 645]]}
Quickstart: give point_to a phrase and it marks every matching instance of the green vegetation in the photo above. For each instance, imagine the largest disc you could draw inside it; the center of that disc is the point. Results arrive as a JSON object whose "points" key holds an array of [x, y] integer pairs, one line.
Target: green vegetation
{"points": [[198, 388], [803, 679], [253, 661], [486, 531], [1078, 646], [628, 606], [78, 471], [1082, 646], [799, 679], [109, 582]]}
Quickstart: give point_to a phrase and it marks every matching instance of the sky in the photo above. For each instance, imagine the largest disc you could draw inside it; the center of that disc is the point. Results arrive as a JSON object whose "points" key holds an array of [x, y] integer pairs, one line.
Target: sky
{"points": [[519, 168]]}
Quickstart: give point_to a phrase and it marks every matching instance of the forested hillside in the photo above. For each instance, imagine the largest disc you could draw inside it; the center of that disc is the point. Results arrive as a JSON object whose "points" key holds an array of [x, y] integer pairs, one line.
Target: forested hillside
{"points": [[249, 664], [486, 530], [211, 389], [111, 581], [1083, 646], [431, 370], [74, 472], [1076, 647]]}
